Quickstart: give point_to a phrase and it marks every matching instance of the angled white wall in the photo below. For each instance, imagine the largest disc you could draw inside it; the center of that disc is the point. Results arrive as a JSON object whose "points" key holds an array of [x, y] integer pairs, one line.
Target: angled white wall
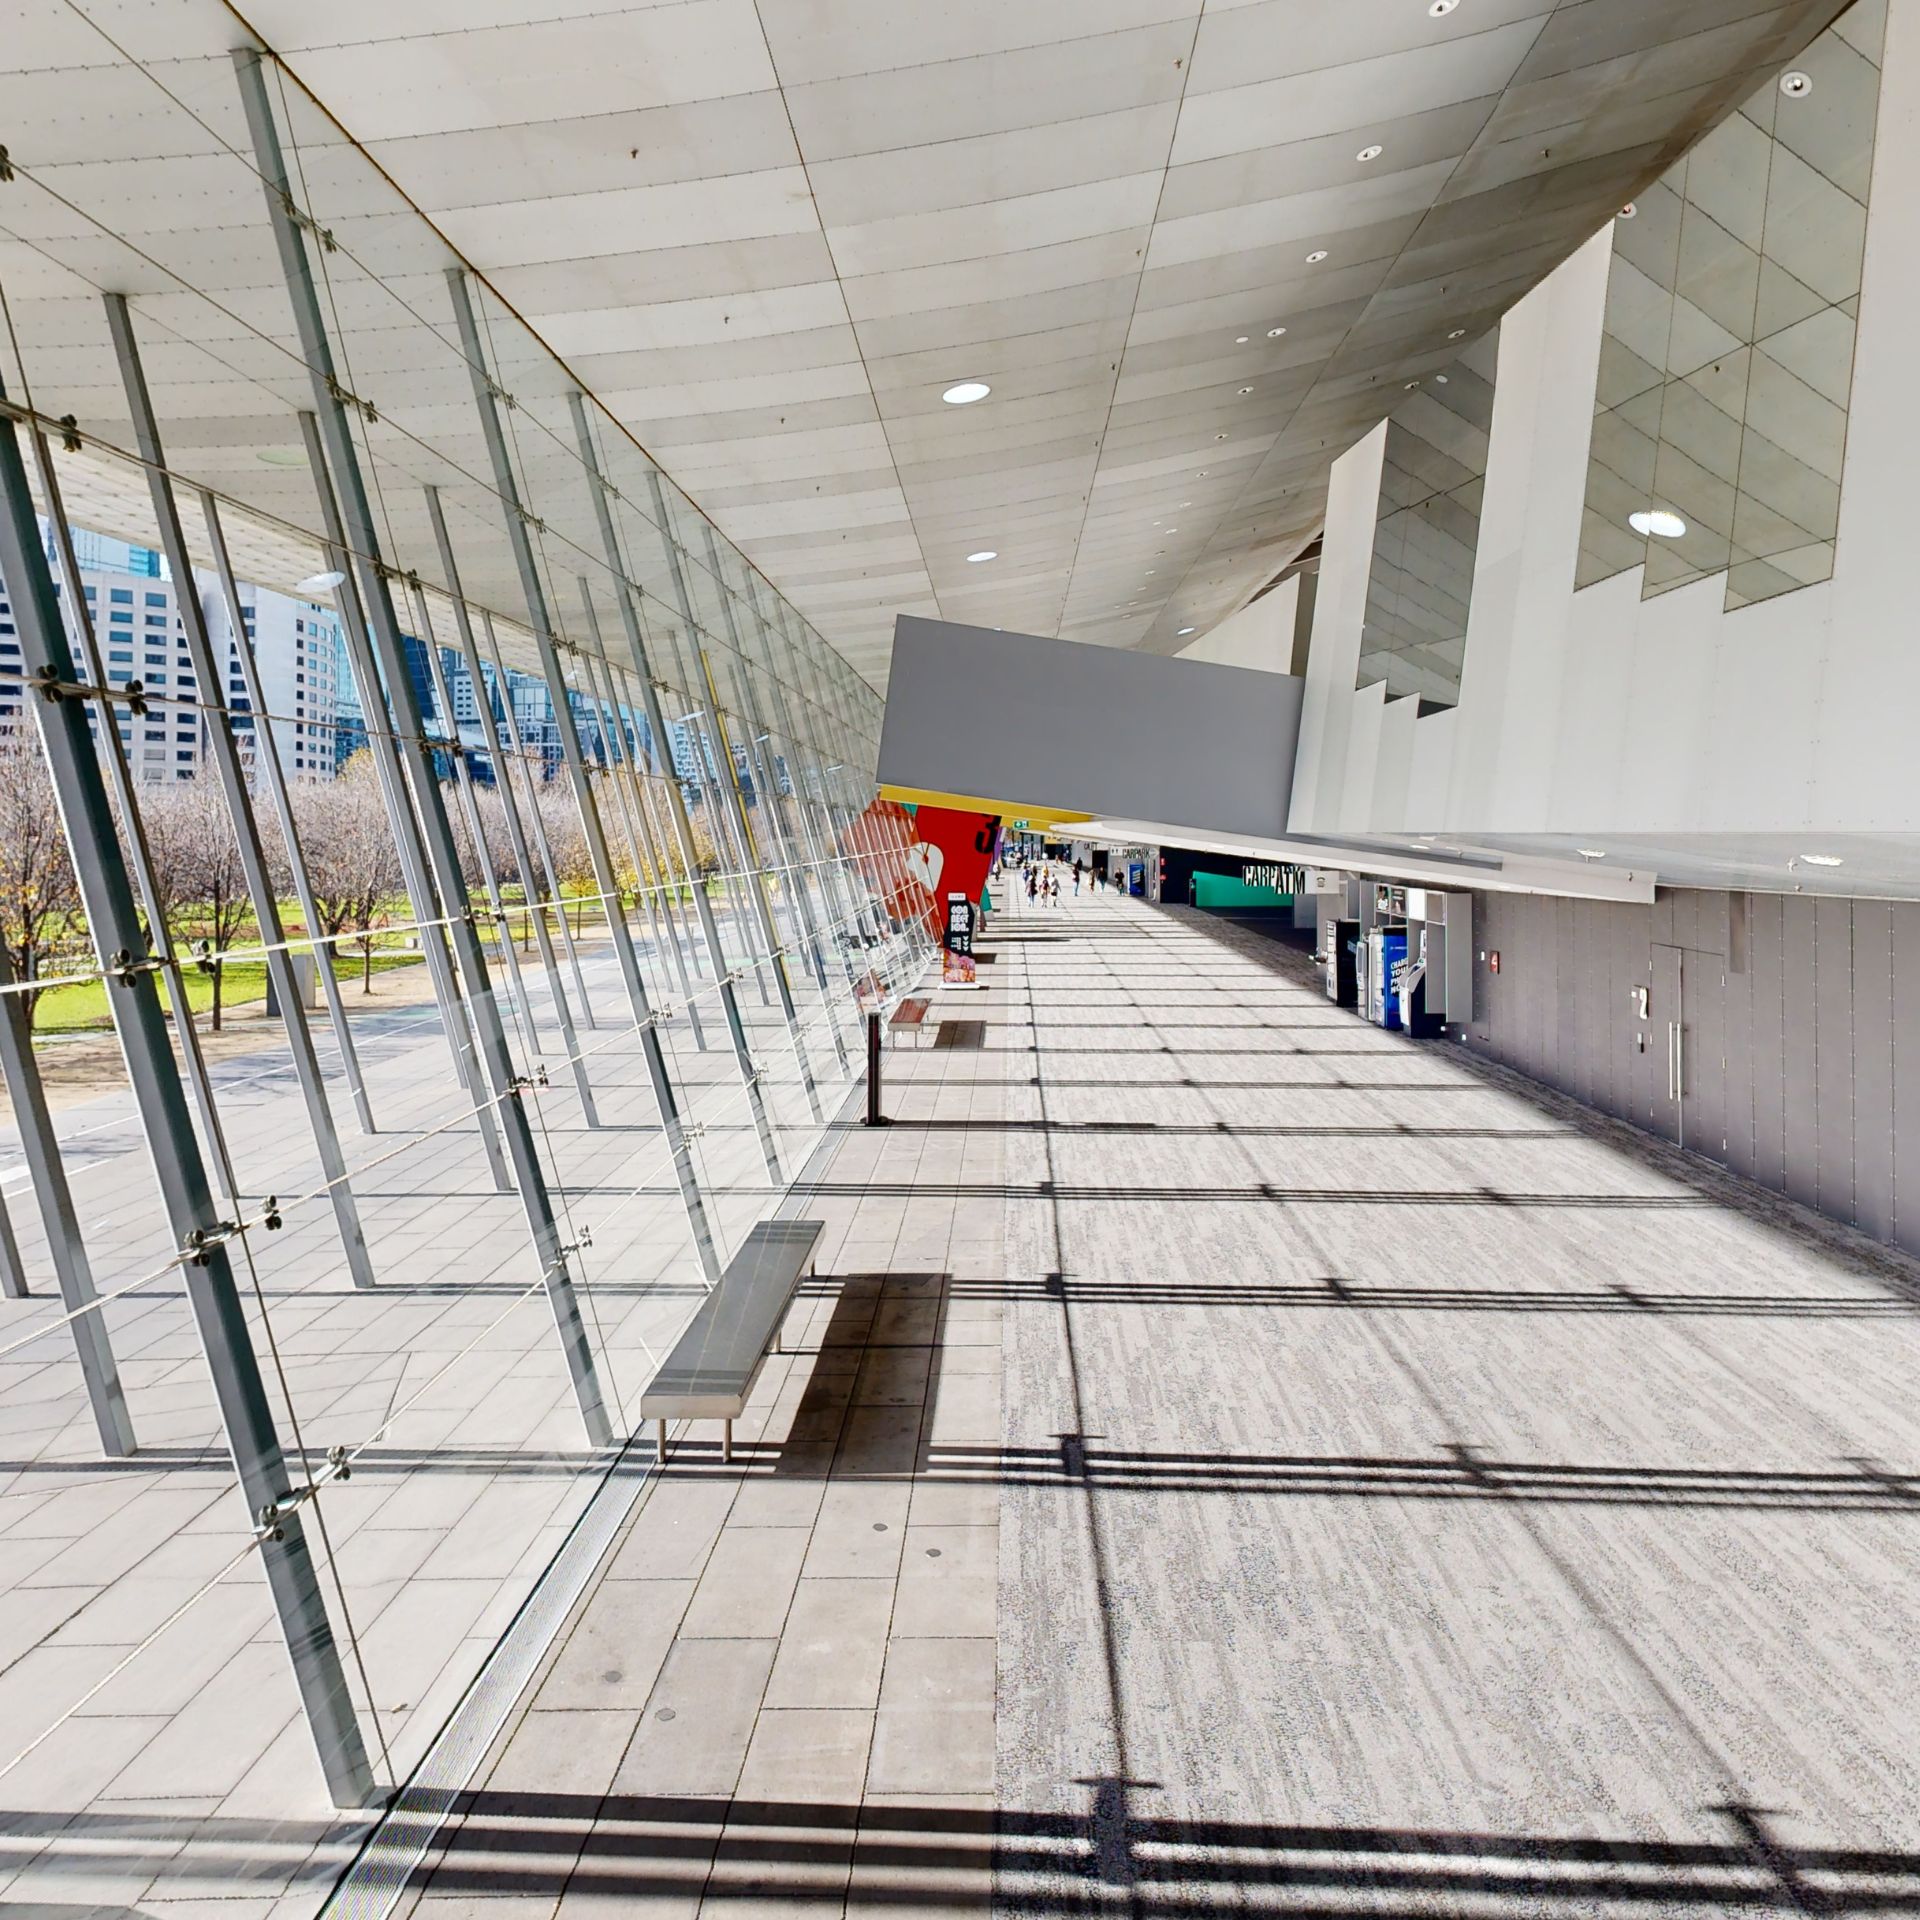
{"points": [[1599, 711]]}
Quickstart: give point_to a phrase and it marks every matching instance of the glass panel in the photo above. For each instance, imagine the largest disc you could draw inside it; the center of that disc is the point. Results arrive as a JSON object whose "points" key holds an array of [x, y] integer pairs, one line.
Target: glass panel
{"points": [[1421, 582], [1727, 355]]}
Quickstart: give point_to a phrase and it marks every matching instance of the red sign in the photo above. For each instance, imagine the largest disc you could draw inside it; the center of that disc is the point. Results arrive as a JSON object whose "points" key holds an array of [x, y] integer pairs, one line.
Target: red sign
{"points": [[951, 853]]}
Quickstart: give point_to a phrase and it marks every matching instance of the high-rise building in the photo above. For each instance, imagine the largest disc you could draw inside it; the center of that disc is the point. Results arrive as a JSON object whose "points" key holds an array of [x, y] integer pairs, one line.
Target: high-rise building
{"points": [[136, 621]]}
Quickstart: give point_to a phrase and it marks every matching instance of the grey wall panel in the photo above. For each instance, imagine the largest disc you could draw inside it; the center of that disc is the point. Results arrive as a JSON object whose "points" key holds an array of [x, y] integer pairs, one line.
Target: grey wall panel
{"points": [[1102, 730], [1633, 966], [1769, 1100], [1873, 1067], [1596, 1030], [1737, 1040], [1706, 1054], [1832, 1017], [1799, 1079], [1800, 1067], [1905, 916]]}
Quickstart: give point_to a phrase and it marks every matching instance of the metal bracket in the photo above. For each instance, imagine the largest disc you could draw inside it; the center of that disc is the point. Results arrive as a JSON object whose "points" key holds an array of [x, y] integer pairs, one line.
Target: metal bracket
{"points": [[305, 221], [347, 398], [68, 424], [50, 686], [497, 392], [203, 1240], [6, 165], [124, 969]]}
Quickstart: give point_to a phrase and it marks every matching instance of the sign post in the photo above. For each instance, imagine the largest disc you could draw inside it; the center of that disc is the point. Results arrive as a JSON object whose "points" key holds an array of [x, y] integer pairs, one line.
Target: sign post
{"points": [[957, 967]]}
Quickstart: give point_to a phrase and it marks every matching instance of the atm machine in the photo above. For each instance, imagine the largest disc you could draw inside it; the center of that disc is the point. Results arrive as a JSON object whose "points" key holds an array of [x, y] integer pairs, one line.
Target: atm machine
{"points": [[1338, 960]]}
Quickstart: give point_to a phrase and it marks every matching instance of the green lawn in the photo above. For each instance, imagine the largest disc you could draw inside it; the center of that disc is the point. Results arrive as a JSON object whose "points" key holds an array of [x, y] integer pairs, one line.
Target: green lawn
{"points": [[83, 1008]]}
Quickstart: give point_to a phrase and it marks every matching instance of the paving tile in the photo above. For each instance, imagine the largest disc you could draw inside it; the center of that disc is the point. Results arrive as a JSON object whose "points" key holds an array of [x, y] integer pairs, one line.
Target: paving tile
{"points": [[748, 1582], [834, 1645], [614, 1651], [934, 1729], [694, 1731], [949, 1583]]}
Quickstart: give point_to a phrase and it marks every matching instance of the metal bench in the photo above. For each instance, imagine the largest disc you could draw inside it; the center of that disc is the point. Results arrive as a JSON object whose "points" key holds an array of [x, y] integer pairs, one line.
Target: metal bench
{"points": [[713, 1365], [910, 1016]]}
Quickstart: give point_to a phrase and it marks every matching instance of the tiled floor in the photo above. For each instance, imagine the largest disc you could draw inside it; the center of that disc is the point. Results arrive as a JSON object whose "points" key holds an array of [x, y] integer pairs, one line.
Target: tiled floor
{"points": [[175, 1765], [1233, 1460], [1243, 1462]]}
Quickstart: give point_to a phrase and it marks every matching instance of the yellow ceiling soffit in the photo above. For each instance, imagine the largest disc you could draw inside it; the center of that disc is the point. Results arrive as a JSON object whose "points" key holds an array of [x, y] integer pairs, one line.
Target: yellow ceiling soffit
{"points": [[974, 803]]}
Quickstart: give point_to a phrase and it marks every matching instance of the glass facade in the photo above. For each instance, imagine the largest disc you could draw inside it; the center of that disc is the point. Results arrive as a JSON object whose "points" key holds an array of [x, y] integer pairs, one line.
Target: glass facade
{"points": [[1727, 360], [596, 988]]}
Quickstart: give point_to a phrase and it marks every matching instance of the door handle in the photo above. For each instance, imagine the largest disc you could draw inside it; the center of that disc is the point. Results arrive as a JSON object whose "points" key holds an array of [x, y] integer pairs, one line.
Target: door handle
{"points": [[1673, 1090], [1679, 1060]]}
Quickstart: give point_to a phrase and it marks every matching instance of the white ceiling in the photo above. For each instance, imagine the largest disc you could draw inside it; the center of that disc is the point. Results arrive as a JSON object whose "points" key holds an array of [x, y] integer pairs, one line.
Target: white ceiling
{"points": [[767, 233]]}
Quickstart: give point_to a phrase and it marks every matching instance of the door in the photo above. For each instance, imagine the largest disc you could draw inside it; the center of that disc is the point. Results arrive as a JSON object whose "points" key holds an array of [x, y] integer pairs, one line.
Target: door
{"points": [[1666, 1042], [1686, 1020]]}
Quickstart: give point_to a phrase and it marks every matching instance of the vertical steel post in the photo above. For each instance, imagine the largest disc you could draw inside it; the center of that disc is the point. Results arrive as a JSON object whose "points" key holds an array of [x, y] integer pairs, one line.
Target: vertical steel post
{"points": [[518, 744], [225, 752], [13, 1271], [510, 809], [363, 546], [197, 1229], [198, 1078], [513, 513], [624, 595], [645, 855], [92, 1344], [269, 759], [839, 902], [710, 773], [384, 749], [470, 812], [753, 877]]}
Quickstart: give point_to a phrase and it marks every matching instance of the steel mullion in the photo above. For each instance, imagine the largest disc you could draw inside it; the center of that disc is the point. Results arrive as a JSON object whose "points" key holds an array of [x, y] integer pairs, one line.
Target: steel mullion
{"points": [[624, 596], [364, 548], [283, 804], [510, 807], [486, 407], [198, 1232]]}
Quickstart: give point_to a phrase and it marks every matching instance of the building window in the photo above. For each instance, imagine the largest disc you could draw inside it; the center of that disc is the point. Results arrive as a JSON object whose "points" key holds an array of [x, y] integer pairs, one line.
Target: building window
{"points": [[156, 599], [120, 619], [120, 596]]}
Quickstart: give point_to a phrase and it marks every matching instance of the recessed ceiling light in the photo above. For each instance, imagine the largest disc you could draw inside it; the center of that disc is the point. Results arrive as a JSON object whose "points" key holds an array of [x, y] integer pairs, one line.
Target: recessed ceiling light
{"points": [[1439, 379], [1182, 634], [1150, 572], [1441, 8], [1629, 210], [1411, 384], [319, 582], [1242, 339], [1796, 85], [1274, 333], [1316, 256], [966, 392], [1459, 333], [1201, 475], [1657, 521], [1186, 503], [1173, 529], [1370, 153], [1591, 853], [281, 457], [1219, 436], [1246, 389], [1823, 859], [985, 553]]}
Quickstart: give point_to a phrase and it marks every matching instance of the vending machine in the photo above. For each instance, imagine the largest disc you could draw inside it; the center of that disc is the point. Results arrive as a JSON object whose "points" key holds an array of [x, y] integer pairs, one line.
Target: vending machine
{"points": [[1386, 955]]}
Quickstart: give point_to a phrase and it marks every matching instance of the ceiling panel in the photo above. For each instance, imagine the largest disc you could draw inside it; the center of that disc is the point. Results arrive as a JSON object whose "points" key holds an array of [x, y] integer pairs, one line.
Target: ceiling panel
{"points": [[767, 236]]}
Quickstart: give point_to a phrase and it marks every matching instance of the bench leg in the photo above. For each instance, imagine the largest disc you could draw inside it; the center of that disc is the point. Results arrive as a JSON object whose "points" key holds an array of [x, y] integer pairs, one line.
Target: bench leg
{"points": [[726, 1443], [660, 1441]]}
